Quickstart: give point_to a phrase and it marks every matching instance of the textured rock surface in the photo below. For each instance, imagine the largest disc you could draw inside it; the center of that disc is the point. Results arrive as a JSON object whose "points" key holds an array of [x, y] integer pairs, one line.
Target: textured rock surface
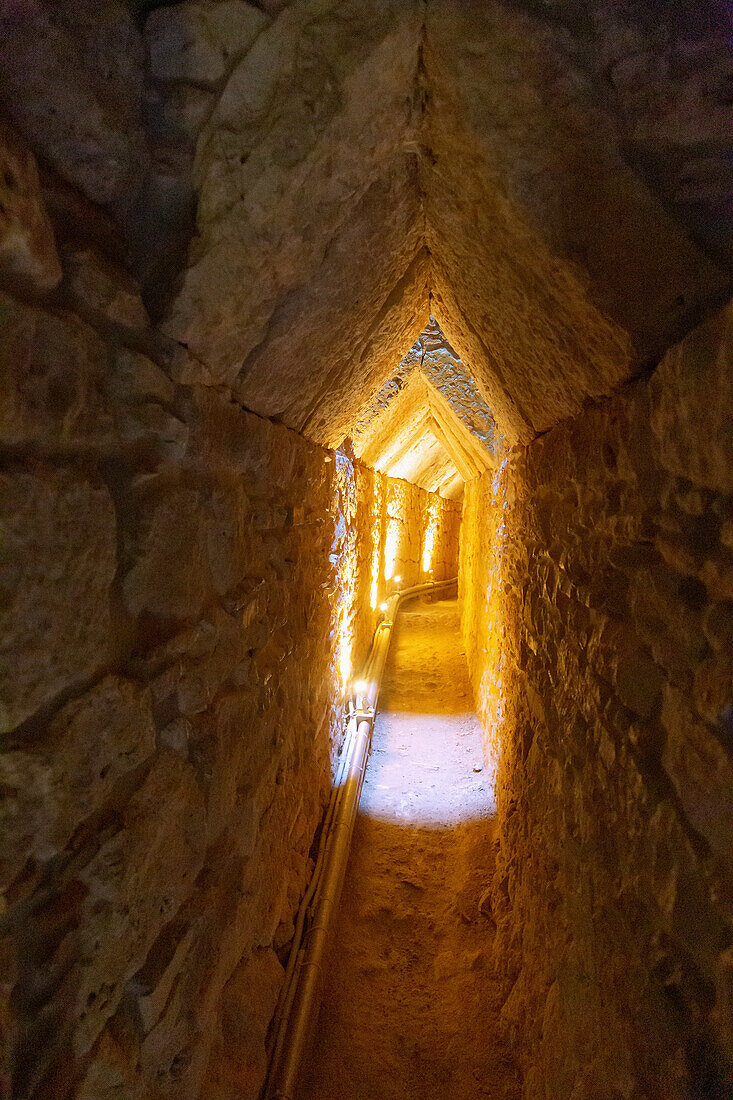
{"points": [[300, 185], [58, 566], [308, 139], [187, 585], [27, 247], [556, 271], [597, 625], [200, 43], [428, 423], [398, 436], [186, 590], [485, 132], [72, 79]]}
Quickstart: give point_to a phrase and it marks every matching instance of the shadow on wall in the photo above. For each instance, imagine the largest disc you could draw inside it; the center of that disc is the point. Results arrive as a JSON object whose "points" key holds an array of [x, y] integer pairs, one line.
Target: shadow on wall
{"points": [[167, 733], [596, 591]]}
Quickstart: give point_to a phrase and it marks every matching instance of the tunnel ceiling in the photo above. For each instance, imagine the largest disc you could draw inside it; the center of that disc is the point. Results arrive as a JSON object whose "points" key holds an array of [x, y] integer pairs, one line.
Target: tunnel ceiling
{"points": [[428, 423], [550, 181]]}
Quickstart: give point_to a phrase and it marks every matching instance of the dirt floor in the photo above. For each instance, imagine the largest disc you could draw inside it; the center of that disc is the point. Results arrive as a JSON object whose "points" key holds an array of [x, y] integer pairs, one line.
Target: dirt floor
{"points": [[410, 1009]]}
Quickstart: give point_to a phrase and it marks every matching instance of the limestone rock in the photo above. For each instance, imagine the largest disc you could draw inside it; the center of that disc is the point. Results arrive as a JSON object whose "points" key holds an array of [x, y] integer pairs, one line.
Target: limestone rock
{"points": [[143, 402], [601, 668], [198, 41], [500, 82], [98, 285], [72, 76], [90, 745], [64, 386], [187, 544], [27, 247], [136, 883], [692, 428], [109, 1074], [335, 165], [53, 377], [667, 75], [59, 559], [428, 423], [239, 1060], [701, 772]]}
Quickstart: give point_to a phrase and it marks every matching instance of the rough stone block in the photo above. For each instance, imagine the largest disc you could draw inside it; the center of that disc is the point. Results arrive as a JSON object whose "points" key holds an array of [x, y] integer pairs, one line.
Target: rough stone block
{"points": [[185, 544], [102, 287], [142, 399], [53, 368], [239, 1059], [197, 41], [713, 691], [27, 247], [72, 78], [136, 883], [50, 789], [701, 771], [691, 398], [109, 1074], [58, 562]]}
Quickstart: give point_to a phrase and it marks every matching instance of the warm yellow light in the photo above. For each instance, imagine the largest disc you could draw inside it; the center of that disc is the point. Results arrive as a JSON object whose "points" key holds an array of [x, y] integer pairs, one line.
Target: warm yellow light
{"points": [[345, 663], [360, 687], [377, 520], [397, 578], [383, 606], [391, 546], [431, 531]]}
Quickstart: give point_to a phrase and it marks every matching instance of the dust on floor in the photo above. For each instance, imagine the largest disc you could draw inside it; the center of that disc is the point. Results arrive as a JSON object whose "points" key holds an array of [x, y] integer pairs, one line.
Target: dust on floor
{"points": [[411, 1004]]}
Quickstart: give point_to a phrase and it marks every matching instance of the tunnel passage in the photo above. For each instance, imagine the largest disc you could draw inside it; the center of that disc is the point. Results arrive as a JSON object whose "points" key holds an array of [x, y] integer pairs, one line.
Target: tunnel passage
{"points": [[412, 995], [300, 302]]}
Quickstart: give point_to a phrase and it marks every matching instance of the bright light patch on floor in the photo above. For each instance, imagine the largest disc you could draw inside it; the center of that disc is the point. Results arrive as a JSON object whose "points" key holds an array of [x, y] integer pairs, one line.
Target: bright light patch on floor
{"points": [[428, 768]]}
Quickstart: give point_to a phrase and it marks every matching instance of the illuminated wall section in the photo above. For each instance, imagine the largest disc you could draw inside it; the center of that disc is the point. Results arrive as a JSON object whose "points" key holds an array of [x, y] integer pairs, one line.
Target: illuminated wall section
{"points": [[432, 519], [345, 559], [378, 540], [482, 578], [384, 530]]}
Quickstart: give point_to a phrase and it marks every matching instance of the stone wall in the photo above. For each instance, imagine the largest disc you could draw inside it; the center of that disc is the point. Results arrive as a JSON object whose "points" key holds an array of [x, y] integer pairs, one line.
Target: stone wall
{"points": [[299, 183], [397, 528], [179, 580], [597, 580]]}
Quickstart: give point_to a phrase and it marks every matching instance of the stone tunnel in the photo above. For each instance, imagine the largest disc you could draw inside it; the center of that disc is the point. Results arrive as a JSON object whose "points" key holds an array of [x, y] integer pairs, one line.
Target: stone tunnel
{"points": [[303, 303]]}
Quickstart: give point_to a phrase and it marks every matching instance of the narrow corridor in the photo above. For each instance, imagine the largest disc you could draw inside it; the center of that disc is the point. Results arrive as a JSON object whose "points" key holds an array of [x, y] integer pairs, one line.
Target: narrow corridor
{"points": [[410, 1008], [305, 304]]}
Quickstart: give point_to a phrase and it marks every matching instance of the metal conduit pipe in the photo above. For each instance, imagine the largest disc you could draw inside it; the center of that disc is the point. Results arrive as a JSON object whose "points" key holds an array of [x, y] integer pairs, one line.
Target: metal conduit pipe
{"points": [[299, 1000], [285, 1000]]}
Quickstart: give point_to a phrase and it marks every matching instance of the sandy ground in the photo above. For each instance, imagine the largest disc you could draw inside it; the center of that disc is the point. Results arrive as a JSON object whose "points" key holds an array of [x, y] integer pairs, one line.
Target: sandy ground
{"points": [[410, 1006]]}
